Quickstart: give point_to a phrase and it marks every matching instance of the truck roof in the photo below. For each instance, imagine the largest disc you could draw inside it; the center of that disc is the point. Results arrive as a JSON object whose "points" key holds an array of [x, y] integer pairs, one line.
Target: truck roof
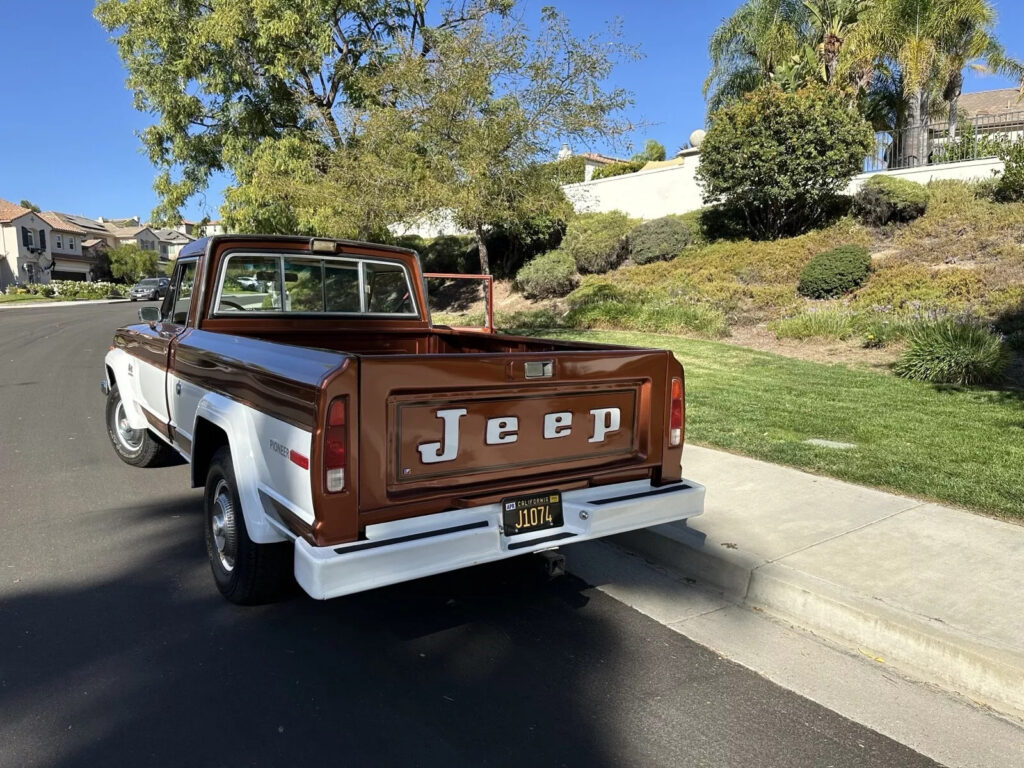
{"points": [[199, 247]]}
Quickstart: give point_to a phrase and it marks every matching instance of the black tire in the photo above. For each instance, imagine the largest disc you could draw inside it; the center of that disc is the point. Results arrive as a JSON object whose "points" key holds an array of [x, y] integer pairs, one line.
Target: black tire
{"points": [[137, 447], [246, 573], [133, 298]]}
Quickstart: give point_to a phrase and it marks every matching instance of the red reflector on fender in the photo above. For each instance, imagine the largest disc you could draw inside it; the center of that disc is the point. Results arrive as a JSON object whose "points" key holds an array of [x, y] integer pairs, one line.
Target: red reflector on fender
{"points": [[298, 458]]}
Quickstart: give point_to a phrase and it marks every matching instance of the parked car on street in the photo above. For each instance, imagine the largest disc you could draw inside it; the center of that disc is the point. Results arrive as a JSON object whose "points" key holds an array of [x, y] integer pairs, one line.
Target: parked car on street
{"points": [[346, 440], [150, 288]]}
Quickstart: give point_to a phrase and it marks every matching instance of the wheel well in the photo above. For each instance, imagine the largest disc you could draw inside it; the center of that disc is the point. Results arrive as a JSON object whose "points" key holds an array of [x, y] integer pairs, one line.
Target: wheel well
{"points": [[206, 441], [111, 378]]}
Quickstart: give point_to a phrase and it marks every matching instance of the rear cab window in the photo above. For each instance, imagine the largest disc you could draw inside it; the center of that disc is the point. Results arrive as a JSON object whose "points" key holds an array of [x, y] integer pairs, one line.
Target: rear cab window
{"points": [[285, 284]]}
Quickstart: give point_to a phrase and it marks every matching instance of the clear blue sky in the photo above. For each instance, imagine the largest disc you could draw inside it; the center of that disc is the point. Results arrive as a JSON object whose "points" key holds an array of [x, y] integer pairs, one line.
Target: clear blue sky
{"points": [[67, 126]]}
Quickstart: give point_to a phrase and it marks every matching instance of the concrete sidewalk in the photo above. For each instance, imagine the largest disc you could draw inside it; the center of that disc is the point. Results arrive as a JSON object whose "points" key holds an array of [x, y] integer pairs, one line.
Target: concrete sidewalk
{"points": [[73, 303], [933, 591]]}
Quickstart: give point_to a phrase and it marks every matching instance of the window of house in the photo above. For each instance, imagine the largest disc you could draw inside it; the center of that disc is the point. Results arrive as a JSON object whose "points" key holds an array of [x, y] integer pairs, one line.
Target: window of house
{"points": [[71, 243], [28, 237], [58, 241]]}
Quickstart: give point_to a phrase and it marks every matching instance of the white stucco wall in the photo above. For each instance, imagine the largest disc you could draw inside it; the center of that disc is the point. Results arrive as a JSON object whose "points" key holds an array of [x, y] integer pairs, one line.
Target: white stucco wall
{"points": [[642, 195], [968, 170], [659, 192]]}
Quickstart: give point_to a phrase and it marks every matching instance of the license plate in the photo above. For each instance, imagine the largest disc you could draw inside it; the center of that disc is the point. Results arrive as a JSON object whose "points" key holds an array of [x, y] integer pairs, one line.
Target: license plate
{"points": [[533, 512]]}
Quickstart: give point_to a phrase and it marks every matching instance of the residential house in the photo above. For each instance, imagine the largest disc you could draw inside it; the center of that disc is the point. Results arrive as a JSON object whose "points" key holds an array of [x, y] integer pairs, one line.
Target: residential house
{"points": [[592, 161], [998, 109], [171, 242], [95, 230], [67, 240], [142, 236], [24, 246], [212, 228]]}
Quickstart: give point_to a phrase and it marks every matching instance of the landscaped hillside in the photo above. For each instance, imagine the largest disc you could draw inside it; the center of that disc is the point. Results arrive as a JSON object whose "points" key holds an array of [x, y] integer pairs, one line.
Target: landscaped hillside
{"points": [[963, 258]]}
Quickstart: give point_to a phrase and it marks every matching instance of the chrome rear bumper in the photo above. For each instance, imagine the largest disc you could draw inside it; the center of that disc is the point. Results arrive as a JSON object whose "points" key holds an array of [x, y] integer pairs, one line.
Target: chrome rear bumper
{"points": [[422, 546]]}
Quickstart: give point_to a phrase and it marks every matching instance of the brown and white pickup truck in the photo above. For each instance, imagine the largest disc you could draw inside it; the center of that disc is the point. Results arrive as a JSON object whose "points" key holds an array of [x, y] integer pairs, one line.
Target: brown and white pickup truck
{"points": [[345, 439]]}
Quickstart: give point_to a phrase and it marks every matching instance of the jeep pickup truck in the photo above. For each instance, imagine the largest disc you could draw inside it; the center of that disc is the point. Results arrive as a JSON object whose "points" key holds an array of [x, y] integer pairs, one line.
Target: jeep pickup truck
{"points": [[345, 440]]}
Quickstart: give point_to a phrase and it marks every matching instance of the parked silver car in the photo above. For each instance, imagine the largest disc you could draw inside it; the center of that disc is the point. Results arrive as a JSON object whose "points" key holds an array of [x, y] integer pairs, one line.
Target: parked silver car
{"points": [[149, 288]]}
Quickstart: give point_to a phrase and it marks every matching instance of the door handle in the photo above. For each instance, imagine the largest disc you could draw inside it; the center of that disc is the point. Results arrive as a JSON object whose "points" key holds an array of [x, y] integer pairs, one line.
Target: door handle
{"points": [[177, 388]]}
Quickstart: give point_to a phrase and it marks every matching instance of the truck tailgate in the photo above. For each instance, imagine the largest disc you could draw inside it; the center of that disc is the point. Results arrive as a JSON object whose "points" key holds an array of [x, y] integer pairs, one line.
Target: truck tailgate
{"points": [[481, 425]]}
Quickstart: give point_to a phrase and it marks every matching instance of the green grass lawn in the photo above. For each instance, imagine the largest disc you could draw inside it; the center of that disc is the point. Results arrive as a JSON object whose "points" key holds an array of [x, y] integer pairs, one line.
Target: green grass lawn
{"points": [[960, 446], [10, 298]]}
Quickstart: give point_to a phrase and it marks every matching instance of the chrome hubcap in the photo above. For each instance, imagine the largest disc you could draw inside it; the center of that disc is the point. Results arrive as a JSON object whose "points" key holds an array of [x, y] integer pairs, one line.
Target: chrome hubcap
{"points": [[222, 525], [131, 439]]}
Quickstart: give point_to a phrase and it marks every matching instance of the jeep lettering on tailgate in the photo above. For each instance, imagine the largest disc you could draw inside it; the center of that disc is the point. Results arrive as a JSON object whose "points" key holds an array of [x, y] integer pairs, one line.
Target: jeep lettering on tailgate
{"points": [[477, 436]]}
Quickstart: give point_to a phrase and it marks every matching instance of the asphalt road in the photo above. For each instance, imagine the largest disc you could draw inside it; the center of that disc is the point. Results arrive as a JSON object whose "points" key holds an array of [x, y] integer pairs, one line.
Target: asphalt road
{"points": [[116, 649]]}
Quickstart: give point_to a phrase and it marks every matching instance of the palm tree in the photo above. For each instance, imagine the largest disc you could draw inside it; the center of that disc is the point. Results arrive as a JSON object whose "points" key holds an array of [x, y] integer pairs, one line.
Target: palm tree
{"points": [[748, 47], [833, 22], [965, 39]]}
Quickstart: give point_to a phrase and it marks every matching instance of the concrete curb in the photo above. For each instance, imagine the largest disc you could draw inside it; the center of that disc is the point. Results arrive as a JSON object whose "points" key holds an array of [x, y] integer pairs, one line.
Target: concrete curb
{"points": [[38, 304], [923, 647]]}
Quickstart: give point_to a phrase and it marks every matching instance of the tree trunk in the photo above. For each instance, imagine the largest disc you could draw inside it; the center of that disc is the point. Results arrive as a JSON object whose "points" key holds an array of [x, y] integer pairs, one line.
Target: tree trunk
{"points": [[481, 246], [831, 45], [952, 95], [912, 142]]}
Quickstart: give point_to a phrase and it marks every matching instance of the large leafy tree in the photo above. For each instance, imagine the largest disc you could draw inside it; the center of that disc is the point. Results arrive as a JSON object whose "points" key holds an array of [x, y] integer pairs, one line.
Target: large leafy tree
{"points": [[461, 131], [221, 77]]}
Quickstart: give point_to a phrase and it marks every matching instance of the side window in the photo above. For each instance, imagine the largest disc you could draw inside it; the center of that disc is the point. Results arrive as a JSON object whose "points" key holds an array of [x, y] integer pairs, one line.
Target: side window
{"points": [[179, 297]]}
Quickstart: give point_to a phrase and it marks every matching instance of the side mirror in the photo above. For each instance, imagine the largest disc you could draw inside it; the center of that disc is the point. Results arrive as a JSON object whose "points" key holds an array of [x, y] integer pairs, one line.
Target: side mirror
{"points": [[149, 314]]}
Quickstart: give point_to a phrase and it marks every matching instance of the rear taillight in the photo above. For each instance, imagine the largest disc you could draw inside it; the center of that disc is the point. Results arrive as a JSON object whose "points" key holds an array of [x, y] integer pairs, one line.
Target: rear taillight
{"points": [[336, 445], [675, 421]]}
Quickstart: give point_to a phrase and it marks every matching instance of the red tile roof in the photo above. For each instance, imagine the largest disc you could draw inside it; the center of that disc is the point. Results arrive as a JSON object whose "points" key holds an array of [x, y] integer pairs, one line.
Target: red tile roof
{"points": [[9, 211], [603, 159]]}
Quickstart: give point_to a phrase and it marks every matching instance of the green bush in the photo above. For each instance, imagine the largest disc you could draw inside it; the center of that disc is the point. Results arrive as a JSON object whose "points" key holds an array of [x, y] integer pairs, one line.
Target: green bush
{"points": [[780, 159], [1009, 185], [1015, 341], [548, 276], [953, 352], [658, 240], [886, 199], [618, 169], [835, 272], [596, 241]]}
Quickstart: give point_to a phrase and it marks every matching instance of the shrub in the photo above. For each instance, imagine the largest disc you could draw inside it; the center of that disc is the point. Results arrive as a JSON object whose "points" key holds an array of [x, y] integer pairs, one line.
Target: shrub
{"points": [[885, 200], [782, 158], [618, 169], [953, 352], [596, 241], [75, 289], [835, 272], [1015, 341], [658, 240], [548, 276], [823, 324], [1009, 185]]}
